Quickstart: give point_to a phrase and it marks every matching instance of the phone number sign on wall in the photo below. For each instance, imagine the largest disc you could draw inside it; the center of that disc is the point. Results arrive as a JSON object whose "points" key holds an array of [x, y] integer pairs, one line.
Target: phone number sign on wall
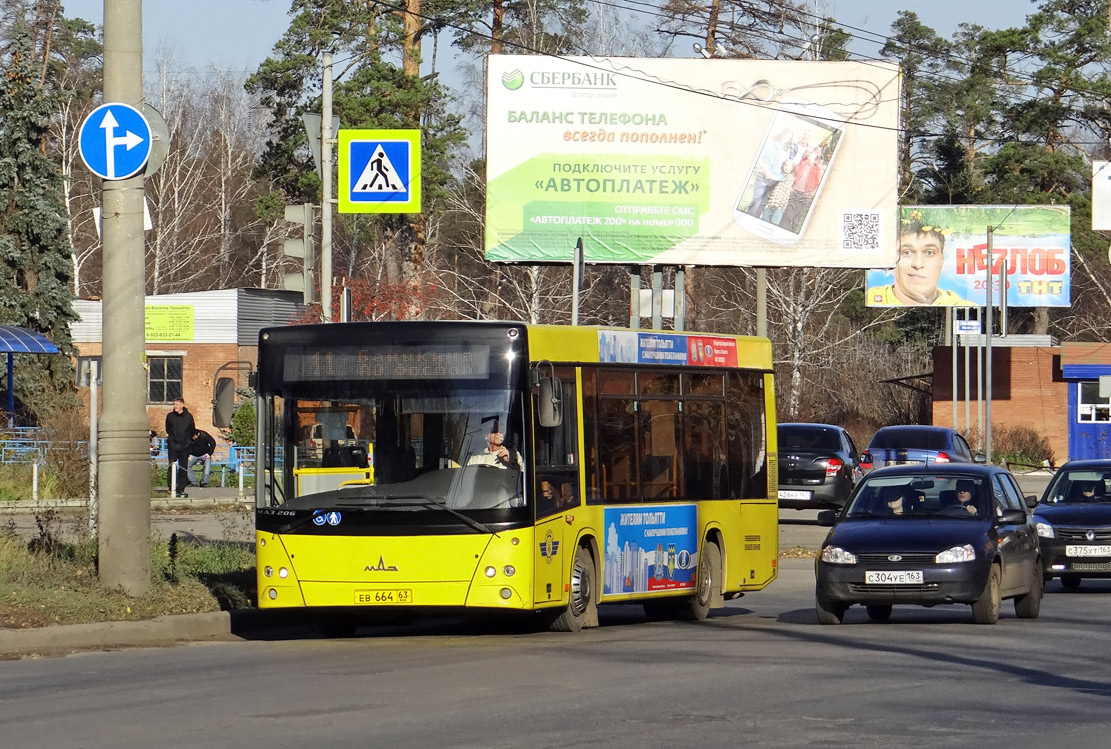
{"points": [[729, 162]]}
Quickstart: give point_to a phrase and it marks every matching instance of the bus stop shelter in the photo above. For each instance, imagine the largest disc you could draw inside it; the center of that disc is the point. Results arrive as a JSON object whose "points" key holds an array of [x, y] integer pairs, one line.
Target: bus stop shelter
{"points": [[14, 341]]}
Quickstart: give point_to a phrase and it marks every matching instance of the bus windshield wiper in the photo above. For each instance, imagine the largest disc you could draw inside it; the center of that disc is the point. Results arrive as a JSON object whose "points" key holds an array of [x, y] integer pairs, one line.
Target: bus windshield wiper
{"points": [[478, 526]]}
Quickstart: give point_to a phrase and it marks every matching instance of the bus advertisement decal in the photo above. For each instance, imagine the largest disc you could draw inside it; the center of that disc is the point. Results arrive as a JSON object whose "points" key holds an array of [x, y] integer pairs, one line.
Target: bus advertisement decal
{"points": [[650, 548], [629, 347]]}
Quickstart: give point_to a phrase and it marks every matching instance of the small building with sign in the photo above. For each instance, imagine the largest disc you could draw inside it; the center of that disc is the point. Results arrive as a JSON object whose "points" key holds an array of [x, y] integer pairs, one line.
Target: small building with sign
{"points": [[1051, 388], [192, 339]]}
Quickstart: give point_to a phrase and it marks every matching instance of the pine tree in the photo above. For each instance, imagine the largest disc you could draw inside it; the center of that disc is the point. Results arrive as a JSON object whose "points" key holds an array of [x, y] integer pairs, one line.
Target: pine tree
{"points": [[35, 249]]}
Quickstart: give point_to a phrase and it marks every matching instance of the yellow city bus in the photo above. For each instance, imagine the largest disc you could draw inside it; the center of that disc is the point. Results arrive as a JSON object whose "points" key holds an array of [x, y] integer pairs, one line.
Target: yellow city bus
{"points": [[501, 466]]}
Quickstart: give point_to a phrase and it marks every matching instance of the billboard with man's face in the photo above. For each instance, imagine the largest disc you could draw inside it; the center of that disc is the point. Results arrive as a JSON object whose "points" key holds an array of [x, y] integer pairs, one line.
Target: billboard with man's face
{"points": [[940, 257], [694, 162]]}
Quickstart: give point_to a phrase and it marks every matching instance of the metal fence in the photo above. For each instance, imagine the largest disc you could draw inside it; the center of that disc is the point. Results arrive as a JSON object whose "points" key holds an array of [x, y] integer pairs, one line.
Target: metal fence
{"points": [[30, 445]]}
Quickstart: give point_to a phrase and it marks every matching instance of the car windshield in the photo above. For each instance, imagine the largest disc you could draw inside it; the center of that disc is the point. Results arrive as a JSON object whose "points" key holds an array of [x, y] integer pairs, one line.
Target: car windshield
{"points": [[1080, 487], [921, 439], [918, 497], [807, 438]]}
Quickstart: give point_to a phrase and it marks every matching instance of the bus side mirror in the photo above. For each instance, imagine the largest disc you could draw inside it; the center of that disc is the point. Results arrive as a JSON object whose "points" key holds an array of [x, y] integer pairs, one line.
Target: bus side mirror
{"points": [[223, 402], [550, 402]]}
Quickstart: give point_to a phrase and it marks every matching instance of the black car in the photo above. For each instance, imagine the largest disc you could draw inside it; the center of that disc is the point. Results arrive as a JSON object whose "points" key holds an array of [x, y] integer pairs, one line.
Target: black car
{"points": [[817, 466], [928, 535], [1073, 521]]}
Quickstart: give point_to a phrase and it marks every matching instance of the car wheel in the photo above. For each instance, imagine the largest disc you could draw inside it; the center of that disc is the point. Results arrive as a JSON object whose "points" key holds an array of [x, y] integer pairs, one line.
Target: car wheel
{"points": [[879, 613], [829, 613], [1071, 582], [1029, 605], [986, 610]]}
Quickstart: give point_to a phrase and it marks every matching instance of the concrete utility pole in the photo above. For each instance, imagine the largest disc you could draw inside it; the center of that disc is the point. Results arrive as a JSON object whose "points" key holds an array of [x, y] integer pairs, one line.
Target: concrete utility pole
{"points": [[124, 453]]}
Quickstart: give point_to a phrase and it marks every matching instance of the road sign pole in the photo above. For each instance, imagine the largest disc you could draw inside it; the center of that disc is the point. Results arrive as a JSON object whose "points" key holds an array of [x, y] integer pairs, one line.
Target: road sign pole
{"points": [[124, 521], [326, 136]]}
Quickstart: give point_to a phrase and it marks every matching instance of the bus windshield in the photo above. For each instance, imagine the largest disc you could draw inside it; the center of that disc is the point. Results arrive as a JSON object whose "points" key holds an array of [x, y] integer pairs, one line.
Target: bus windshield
{"points": [[396, 443]]}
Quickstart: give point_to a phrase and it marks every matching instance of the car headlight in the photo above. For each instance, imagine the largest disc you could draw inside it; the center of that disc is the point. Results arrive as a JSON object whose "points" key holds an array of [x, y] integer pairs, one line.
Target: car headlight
{"points": [[1044, 529], [956, 554], [837, 555]]}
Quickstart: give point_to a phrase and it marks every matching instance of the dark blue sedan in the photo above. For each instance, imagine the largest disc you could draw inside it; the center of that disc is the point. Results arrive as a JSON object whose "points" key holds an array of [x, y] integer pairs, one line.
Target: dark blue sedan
{"points": [[1074, 522], [918, 445], [928, 535]]}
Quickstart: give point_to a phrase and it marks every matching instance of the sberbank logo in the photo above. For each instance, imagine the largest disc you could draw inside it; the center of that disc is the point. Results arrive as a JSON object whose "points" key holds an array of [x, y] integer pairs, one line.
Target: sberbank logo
{"points": [[513, 80]]}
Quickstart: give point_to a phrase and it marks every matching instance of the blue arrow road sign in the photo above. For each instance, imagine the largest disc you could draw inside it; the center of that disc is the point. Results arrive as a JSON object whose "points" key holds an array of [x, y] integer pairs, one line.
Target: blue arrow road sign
{"points": [[115, 141]]}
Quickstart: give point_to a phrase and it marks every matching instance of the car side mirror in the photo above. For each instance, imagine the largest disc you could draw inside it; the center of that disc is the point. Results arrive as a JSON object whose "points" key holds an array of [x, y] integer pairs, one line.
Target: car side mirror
{"points": [[865, 458], [980, 458], [827, 518], [1031, 501], [1012, 517]]}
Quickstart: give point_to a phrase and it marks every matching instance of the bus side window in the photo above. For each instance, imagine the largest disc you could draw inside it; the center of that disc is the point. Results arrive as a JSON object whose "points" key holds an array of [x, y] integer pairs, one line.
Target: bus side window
{"points": [[745, 448], [556, 454]]}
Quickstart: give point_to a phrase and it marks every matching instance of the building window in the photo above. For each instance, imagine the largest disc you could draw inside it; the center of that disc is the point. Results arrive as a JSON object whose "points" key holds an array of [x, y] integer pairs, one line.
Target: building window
{"points": [[1091, 407], [164, 379]]}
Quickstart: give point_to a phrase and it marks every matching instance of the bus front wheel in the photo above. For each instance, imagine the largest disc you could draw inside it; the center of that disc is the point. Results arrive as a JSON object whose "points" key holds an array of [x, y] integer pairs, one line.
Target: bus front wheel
{"points": [[581, 610]]}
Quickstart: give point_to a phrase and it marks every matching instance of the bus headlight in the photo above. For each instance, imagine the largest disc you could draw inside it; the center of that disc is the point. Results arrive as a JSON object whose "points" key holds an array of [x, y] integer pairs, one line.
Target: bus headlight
{"points": [[272, 594], [509, 570], [506, 593], [283, 572], [268, 571], [490, 572]]}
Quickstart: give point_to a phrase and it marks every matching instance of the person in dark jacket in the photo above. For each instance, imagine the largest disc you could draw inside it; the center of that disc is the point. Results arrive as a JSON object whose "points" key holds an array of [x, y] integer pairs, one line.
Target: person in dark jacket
{"points": [[201, 448], [179, 434]]}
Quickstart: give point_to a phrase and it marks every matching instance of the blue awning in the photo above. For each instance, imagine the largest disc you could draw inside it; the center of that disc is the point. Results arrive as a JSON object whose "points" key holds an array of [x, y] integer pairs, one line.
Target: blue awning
{"points": [[22, 341]]}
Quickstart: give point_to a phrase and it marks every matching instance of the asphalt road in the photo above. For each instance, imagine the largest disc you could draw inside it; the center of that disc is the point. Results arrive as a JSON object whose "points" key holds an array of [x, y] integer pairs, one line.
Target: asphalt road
{"points": [[760, 672]]}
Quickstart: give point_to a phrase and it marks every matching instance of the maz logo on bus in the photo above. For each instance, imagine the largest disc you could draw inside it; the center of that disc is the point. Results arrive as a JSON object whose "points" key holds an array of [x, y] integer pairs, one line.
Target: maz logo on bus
{"points": [[381, 566]]}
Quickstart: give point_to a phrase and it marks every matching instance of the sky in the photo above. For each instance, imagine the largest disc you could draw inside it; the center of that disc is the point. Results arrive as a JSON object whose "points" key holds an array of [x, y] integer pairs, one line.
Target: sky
{"points": [[239, 34]]}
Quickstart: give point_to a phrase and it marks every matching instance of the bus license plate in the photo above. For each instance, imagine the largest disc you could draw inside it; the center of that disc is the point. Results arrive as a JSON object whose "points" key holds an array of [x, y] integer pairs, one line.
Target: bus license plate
{"points": [[893, 577], [383, 597], [794, 494], [1088, 551]]}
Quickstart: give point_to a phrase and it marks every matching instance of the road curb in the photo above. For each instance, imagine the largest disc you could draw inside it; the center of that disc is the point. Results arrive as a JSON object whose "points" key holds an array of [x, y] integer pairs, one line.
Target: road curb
{"points": [[180, 627], [243, 623]]}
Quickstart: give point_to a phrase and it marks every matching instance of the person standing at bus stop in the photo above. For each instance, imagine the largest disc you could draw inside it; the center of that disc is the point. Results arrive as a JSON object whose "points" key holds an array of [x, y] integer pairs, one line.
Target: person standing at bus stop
{"points": [[179, 433], [201, 447]]}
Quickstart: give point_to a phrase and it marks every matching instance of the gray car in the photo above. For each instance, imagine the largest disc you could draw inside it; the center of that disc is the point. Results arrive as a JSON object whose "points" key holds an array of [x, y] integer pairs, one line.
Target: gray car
{"points": [[818, 466]]}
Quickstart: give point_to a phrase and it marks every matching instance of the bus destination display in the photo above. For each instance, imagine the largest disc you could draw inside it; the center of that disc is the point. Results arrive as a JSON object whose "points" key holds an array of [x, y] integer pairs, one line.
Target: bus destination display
{"points": [[388, 363]]}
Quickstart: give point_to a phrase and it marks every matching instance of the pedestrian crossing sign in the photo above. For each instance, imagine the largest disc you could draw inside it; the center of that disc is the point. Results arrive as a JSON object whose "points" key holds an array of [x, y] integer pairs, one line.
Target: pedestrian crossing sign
{"points": [[379, 171]]}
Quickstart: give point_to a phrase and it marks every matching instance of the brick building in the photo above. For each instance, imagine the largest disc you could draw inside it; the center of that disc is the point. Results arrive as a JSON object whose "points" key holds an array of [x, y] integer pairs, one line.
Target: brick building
{"points": [[193, 339], [1036, 383]]}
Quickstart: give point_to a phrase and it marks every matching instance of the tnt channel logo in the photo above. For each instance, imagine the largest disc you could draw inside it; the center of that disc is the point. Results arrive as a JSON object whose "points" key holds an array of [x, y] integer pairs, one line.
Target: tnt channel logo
{"points": [[513, 80]]}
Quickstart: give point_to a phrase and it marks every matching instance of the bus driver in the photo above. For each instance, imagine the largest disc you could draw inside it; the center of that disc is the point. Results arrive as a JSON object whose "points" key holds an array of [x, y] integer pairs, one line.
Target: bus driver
{"points": [[496, 454]]}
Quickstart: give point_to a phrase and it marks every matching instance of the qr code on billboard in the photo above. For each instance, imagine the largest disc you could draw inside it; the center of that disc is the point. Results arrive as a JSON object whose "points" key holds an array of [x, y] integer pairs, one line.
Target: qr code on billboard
{"points": [[860, 231]]}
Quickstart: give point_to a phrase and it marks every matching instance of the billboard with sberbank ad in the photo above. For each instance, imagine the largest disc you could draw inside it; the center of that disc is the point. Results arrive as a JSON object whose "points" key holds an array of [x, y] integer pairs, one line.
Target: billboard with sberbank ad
{"points": [[699, 162]]}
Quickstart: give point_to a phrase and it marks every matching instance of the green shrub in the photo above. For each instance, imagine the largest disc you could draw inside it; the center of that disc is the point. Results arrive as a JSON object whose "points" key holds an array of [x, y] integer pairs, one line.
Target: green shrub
{"points": [[1020, 445], [243, 424]]}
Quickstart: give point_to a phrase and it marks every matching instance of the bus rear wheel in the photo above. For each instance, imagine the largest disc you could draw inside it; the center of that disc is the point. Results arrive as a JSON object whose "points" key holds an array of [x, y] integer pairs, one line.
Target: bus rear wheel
{"points": [[581, 610], [708, 584]]}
